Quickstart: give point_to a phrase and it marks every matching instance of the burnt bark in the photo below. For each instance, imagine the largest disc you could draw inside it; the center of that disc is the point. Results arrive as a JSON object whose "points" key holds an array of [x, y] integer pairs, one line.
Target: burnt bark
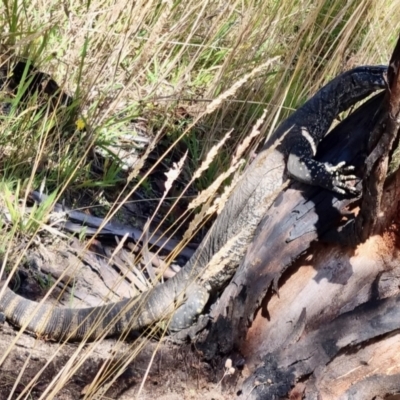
{"points": [[305, 315], [382, 144], [299, 216]]}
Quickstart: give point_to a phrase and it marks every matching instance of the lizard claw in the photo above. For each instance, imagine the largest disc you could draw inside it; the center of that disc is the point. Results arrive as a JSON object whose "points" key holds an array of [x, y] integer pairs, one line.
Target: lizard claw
{"points": [[332, 177], [340, 178], [341, 167]]}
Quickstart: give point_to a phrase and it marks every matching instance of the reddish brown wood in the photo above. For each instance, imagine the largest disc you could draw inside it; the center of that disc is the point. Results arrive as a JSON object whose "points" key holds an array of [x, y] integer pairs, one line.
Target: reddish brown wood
{"points": [[334, 325]]}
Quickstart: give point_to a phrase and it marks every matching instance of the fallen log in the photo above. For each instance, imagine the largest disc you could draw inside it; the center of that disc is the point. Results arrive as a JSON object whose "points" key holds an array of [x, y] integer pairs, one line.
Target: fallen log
{"points": [[313, 320], [300, 215]]}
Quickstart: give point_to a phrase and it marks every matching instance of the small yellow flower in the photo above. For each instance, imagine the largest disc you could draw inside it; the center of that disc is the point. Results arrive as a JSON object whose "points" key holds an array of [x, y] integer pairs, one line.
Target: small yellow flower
{"points": [[80, 124]]}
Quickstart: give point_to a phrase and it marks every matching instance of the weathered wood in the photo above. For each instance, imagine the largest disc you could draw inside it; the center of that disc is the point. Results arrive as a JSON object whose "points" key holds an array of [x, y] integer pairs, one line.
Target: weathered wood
{"points": [[381, 144], [337, 314], [78, 222], [300, 215], [333, 352]]}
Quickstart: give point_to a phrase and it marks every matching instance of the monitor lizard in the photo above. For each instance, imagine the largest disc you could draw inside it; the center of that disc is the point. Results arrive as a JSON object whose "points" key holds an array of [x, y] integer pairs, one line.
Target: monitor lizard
{"points": [[288, 153]]}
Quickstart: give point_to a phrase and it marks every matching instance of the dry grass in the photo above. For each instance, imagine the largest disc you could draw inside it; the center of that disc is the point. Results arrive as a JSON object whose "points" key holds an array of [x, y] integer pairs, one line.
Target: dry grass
{"points": [[227, 63]]}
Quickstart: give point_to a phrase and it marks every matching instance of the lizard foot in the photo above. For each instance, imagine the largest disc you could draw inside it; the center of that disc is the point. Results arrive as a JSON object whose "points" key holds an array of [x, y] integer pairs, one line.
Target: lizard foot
{"points": [[196, 298], [339, 175], [326, 175]]}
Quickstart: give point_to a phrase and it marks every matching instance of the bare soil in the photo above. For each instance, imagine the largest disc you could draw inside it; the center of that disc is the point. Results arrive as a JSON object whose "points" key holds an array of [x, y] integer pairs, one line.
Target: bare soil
{"points": [[176, 372]]}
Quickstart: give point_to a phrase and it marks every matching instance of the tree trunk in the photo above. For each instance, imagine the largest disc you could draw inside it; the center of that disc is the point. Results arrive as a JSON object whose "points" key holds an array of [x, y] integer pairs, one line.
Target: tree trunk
{"points": [[313, 320]]}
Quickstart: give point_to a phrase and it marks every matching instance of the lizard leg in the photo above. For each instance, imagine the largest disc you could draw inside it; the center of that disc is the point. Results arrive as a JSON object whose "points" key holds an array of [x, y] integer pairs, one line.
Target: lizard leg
{"points": [[196, 298], [328, 176]]}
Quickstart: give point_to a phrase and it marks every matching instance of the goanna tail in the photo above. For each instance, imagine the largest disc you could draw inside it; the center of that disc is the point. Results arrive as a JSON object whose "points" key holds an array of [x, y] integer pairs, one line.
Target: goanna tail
{"points": [[66, 323], [76, 324]]}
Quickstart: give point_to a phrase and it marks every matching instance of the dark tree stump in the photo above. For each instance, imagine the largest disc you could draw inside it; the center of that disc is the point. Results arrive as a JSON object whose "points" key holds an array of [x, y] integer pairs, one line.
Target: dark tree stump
{"points": [[322, 314]]}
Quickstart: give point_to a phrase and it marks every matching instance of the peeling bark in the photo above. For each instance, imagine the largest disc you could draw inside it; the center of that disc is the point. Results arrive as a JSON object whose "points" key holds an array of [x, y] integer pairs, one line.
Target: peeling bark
{"points": [[329, 328], [300, 215]]}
